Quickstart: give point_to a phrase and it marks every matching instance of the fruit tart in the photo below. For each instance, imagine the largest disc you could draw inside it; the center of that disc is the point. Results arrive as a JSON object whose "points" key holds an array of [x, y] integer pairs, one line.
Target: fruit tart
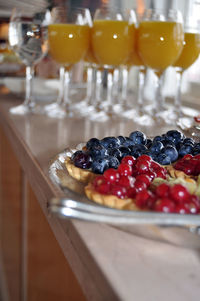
{"points": [[99, 155], [132, 186]]}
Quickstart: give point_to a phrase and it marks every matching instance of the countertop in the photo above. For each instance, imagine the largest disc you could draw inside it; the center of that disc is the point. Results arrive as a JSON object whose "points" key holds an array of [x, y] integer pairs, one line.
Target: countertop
{"points": [[110, 264]]}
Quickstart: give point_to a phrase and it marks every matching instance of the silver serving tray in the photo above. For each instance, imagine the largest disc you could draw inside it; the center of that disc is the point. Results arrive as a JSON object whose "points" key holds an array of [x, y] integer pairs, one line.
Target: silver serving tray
{"points": [[182, 230]]}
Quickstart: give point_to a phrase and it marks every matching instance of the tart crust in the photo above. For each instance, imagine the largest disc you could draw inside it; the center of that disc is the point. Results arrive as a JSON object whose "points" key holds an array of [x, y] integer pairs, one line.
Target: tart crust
{"points": [[174, 173], [110, 200], [82, 175]]}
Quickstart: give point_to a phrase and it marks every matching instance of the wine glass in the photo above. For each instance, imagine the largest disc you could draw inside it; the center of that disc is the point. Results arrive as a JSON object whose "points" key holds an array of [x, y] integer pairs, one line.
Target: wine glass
{"points": [[160, 42], [28, 39], [113, 35], [68, 36], [189, 55]]}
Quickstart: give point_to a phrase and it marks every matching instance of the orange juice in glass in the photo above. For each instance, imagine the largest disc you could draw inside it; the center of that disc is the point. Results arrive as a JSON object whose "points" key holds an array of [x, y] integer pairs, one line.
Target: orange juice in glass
{"points": [[68, 43], [190, 52], [68, 36], [160, 43], [112, 41]]}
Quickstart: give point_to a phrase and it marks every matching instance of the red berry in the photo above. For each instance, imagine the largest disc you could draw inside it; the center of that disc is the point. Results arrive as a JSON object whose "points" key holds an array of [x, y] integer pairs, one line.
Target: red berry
{"points": [[99, 180], [155, 166], [188, 170], [126, 181], [197, 169], [141, 198], [192, 207], [182, 209], [197, 157], [151, 174], [111, 175], [119, 191], [164, 205], [187, 157], [130, 160], [160, 174], [144, 178], [103, 188], [195, 199], [125, 169], [139, 186], [151, 200], [179, 193], [197, 118], [142, 166], [162, 190], [131, 192], [144, 158]]}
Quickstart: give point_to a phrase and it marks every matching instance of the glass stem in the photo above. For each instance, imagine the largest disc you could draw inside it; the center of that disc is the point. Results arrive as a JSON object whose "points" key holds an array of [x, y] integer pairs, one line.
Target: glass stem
{"points": [[140, 91], [109, 91], [89, 84], [60, 98], [177, 100], [159, 101], [67, 101], [29, 86], [99, 82], [116, 74], [125, 86]]}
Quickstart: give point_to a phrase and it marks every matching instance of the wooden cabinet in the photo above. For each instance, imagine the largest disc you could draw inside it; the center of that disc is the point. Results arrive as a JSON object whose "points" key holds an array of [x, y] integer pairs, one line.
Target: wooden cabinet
{"points": [[33, 265]]}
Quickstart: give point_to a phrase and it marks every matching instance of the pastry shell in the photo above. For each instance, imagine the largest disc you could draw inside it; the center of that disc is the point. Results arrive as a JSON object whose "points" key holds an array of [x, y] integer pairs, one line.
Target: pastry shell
{"points": [[82, 175], [110, 200], [174, 173]]}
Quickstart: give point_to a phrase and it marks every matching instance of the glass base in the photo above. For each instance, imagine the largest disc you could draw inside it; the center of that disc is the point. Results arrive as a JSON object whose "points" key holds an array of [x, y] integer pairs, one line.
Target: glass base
{"points": [[23, 109], [58, 111]]}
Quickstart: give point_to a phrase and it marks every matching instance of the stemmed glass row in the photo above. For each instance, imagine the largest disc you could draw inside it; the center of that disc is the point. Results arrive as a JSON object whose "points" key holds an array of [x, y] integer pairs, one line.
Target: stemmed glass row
{"points": [[115, 40]]}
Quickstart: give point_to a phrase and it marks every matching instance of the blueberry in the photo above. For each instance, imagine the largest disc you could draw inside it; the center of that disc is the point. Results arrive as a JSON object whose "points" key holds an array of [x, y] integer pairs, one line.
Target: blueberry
{"points": [[189, 141], [115, 152], [185, 149], [76, 153], [121, 139], [100, 165], [163, 159], [138, 137], [149, 143], [156, 147], [110, 142], [150, 154], [168, 142], [82, 160], [125, 151], [113, 162], [174, 136], [98, 151], [138, 150], [196, 149], [171, 152], [128, 142], [92, 142], [158, 138]]}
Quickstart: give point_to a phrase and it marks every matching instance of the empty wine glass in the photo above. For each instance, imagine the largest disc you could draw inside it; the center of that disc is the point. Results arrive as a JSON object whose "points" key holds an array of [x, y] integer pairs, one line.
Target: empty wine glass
{"points": [[28, 38], [68, 36]]}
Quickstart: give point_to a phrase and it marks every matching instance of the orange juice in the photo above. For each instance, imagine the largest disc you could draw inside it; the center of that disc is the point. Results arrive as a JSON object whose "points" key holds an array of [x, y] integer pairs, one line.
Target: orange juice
{"points": [[112, 41], [135, 59], [190, 52], [160, 43], [68, 43]]}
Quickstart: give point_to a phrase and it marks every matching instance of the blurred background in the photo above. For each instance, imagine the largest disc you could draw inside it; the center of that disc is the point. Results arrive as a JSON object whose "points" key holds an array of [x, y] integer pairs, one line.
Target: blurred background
{"points": [[10, 65]]}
